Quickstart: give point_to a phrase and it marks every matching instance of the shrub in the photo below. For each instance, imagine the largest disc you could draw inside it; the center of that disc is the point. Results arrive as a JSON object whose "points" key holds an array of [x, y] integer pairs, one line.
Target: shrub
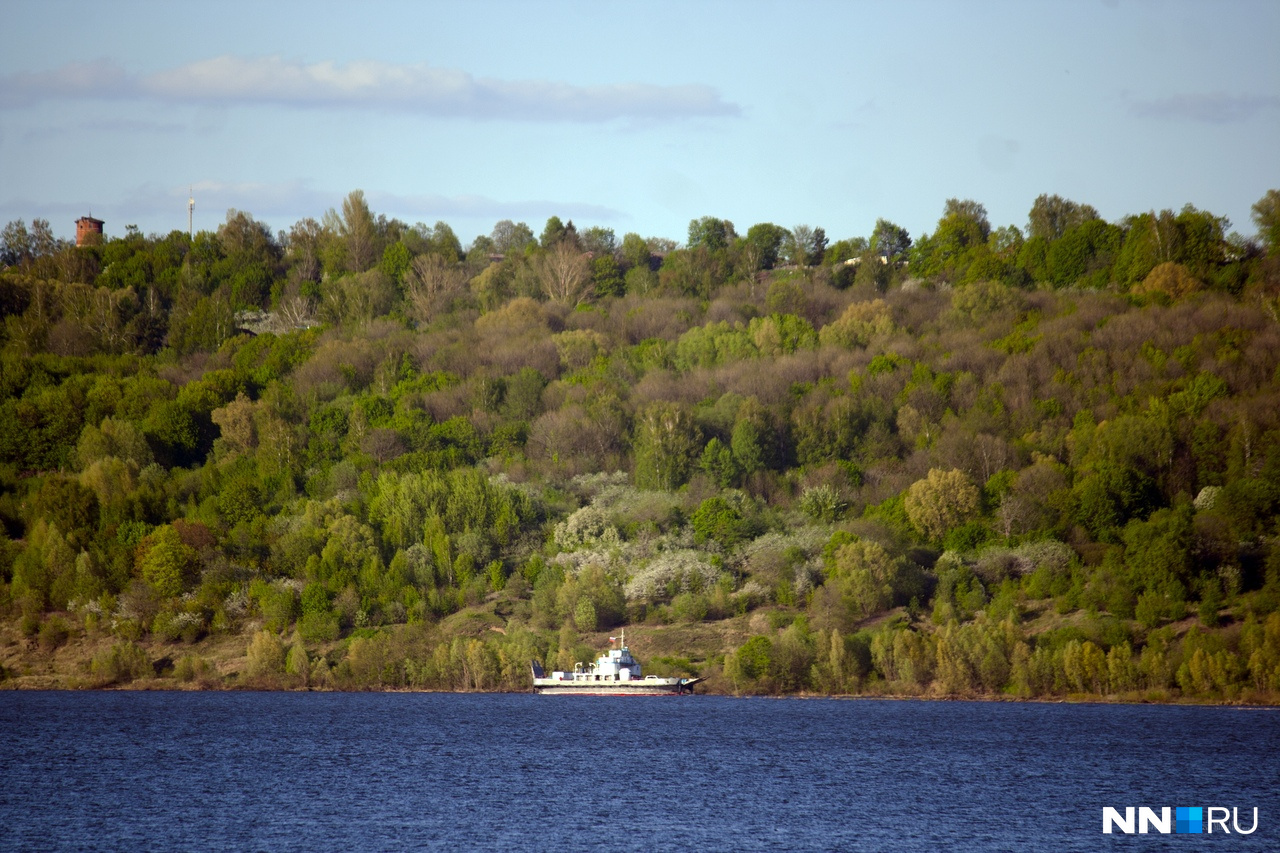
{"points": [[122, 663], [53, 634], [319, 626], [671, 573], [266, 655], [192, 668], [823, 504], [721, 520], [587, 527]]}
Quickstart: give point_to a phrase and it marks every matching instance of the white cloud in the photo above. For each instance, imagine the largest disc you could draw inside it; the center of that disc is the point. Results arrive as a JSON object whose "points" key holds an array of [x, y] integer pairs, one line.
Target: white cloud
{"points": [[411, 88]]}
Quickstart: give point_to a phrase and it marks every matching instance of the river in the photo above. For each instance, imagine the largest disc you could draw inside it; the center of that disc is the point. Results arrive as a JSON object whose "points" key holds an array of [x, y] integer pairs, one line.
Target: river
{"points": [[397, 771]]}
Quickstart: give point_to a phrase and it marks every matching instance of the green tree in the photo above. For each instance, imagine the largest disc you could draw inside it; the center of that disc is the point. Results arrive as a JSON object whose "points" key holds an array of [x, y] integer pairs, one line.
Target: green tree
{"points": [[890, 240], [961, 236], [719, 519], [68, 505], [793, 657], [718, 463], [711, 233], [666, 444], [804, 245], [1052, 216], [167, 563], [396, 260], [864, 574], [750, 664], [1085, 251], [511, 238], [635, 251], [766, 240], [598, 241], [607, 276], [1266, 215], [552, 233], [358, 246], [940, 502], [266, 656], [751, 438]]}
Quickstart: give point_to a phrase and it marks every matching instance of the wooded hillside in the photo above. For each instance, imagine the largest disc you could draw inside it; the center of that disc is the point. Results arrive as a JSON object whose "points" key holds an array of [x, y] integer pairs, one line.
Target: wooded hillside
{"points": [[1030, 461]]}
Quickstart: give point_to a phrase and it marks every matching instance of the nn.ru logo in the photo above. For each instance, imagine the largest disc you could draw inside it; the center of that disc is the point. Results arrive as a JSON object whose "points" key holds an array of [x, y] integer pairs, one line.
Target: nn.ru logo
{"points": [[1183, 820]]}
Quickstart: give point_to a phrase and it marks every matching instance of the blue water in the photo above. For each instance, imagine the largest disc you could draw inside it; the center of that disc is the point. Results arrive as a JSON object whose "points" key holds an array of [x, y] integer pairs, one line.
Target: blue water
{"points": [[293, 771]]}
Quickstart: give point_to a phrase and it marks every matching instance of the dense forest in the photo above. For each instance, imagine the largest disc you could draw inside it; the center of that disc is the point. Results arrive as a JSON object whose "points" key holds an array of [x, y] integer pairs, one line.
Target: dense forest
{"points": [[1027, 461]]}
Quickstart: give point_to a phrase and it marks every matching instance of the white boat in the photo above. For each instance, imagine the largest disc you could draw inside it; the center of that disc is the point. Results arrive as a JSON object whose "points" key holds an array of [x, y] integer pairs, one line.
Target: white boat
{"points": [[615, 673]]}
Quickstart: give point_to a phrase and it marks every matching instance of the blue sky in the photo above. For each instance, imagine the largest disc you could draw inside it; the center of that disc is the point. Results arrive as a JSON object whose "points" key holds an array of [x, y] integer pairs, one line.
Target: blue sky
{"points": [[635, 116]]}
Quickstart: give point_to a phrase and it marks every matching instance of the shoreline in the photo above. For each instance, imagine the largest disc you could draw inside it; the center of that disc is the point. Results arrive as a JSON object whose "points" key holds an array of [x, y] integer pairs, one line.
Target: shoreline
{"points": [[160, 685]]}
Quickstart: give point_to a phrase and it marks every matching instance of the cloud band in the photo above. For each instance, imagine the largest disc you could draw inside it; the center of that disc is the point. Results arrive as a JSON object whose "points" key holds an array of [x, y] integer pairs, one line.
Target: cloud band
{"points": [[409, 88]]}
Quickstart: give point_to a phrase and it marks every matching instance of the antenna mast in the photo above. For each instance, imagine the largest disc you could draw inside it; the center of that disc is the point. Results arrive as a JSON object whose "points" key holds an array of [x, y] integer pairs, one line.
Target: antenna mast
{"points": [[191, 206]]}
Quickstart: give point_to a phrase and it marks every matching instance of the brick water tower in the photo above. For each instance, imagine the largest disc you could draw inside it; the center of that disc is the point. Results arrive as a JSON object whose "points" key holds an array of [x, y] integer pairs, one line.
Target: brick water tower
{"points": [[86, 229]]}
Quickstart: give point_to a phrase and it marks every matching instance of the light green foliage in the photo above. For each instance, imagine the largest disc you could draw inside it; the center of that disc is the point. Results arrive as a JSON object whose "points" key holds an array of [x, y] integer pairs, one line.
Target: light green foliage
{"points": [[266, 656], [781, 334], [904, 658], [980, 301], [666, 442], [960, 593], [584, 614], [167, 563], [793, 655], [603, 593], [113, 437], [941, 501], [1266, 215], [464, 500], [580, 347], [859, 323], [297, 663], [714, 344], [975, 656], [122, 663], [864, 574]]}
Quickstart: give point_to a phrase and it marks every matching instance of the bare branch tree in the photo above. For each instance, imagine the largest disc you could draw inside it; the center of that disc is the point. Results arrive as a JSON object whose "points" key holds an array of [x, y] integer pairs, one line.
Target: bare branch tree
{"points": [[564, 272], [430, 282]]}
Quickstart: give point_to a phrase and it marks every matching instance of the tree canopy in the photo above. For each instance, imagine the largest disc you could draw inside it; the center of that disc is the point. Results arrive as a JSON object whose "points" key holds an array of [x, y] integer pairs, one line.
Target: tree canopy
{"points": [[989, 460]]}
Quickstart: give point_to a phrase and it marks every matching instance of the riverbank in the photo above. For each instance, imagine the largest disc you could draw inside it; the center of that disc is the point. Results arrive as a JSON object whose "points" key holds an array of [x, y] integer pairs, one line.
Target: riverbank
{"points": [[406, 658]]}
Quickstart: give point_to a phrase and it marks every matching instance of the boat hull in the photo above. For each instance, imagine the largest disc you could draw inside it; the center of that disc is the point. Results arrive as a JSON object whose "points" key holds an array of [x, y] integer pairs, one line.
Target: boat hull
{"points": [[656, 687]]}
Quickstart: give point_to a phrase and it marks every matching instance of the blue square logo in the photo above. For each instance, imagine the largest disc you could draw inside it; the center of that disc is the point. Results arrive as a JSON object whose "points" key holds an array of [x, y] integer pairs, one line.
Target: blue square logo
{"points": [[1190, 820]]}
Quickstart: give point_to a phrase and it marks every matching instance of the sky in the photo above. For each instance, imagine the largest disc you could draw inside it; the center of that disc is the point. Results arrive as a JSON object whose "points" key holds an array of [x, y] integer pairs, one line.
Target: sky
{"points": [[635, 116]]}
